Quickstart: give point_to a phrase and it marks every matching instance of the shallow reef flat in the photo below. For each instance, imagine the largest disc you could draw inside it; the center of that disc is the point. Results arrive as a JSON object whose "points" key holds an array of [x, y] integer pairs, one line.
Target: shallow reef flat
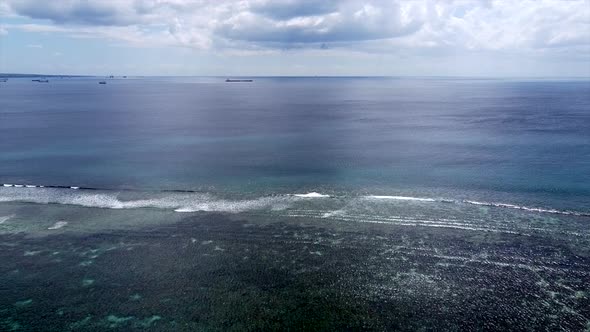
{"points": [[236, 272]]}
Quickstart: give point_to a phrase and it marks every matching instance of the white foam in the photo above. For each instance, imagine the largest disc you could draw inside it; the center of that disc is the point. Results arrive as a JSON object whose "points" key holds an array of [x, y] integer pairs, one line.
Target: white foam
{"points": [[522, 207], [193, 202], [403, 198], [180, 202], [4, 219], [332, 213], [185, 210], [312, 195], [210, 204], [58, 225], [477, 203], [416, 223]]}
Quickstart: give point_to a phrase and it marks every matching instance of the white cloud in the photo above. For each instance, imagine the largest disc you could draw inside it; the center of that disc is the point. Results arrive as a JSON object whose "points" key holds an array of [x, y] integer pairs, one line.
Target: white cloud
{"points": [[372, 25]]}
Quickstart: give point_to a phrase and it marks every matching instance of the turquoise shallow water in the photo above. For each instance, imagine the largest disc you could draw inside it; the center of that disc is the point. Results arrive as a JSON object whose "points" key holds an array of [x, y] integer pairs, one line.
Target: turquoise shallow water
{"points": [[306, 203]]}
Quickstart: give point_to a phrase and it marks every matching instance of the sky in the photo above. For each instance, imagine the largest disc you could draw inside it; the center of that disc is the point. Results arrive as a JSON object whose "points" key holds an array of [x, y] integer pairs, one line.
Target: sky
{"points": [[512, 38]]}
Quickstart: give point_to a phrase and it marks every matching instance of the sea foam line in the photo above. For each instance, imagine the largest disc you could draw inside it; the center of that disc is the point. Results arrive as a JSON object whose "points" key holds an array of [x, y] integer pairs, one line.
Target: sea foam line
{"points": [[420, 224], [404, 221], [464, 224], [402, 198], [526, 208], [312, 195], [490, 204], [319, 195], [179, 202]]}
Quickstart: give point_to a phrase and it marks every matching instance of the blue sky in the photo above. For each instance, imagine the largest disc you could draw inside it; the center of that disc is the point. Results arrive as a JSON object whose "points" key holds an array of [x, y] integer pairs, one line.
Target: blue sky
{"points": [[296, 37]]}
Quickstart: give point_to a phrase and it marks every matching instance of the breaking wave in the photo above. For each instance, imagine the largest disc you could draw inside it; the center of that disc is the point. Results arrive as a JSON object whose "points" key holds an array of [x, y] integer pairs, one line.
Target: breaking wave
{"points": [[312, 195], [58, 225], [402, 198], [194, 201], [98, 198]]}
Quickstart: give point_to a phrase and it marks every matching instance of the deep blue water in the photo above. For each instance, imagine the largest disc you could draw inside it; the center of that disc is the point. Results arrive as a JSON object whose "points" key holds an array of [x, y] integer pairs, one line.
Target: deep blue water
{"points": [[328, 204], [522, 140]]}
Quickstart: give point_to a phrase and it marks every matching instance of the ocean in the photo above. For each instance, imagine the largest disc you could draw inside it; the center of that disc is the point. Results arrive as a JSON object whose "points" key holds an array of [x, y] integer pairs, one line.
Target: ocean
{"points": [[319, 203]]}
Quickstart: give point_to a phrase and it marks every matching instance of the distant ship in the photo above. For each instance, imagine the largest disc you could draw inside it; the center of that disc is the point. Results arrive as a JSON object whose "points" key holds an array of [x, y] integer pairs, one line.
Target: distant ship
{"points": [[238, 80], [41, 81], [3, 79], [102, 82]]}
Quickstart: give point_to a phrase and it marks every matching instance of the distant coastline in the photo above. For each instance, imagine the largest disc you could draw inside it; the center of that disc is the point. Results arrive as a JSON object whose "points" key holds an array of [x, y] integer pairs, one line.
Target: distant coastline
{"points": [[13, 75]]}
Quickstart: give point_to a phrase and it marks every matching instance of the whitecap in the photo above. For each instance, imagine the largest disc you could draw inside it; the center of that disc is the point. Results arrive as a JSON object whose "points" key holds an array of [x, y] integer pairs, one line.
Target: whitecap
{"points": [[312, 195], [403, 198], [6, 218], [525, 208], [181, 202], [184, 210], [193, 202], [58, 225]]}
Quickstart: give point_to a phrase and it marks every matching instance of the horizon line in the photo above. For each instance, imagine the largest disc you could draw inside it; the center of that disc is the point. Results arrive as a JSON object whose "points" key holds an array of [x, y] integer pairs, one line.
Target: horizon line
{"points": [[16, 75]]}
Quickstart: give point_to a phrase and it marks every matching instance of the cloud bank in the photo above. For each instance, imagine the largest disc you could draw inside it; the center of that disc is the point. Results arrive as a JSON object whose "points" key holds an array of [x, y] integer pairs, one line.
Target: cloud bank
{"points": [[448, 37], [265, 24]]}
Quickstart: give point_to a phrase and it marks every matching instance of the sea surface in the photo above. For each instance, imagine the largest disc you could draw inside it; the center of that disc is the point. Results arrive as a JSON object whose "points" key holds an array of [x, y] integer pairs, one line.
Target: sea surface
{"points": [[290, 203]]}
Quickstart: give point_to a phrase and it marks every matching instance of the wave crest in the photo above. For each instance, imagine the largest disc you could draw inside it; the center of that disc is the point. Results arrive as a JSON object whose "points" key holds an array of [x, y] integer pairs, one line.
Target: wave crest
{"points": [[312, 195], [180, 202], [402, 198], [193, 201]]}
